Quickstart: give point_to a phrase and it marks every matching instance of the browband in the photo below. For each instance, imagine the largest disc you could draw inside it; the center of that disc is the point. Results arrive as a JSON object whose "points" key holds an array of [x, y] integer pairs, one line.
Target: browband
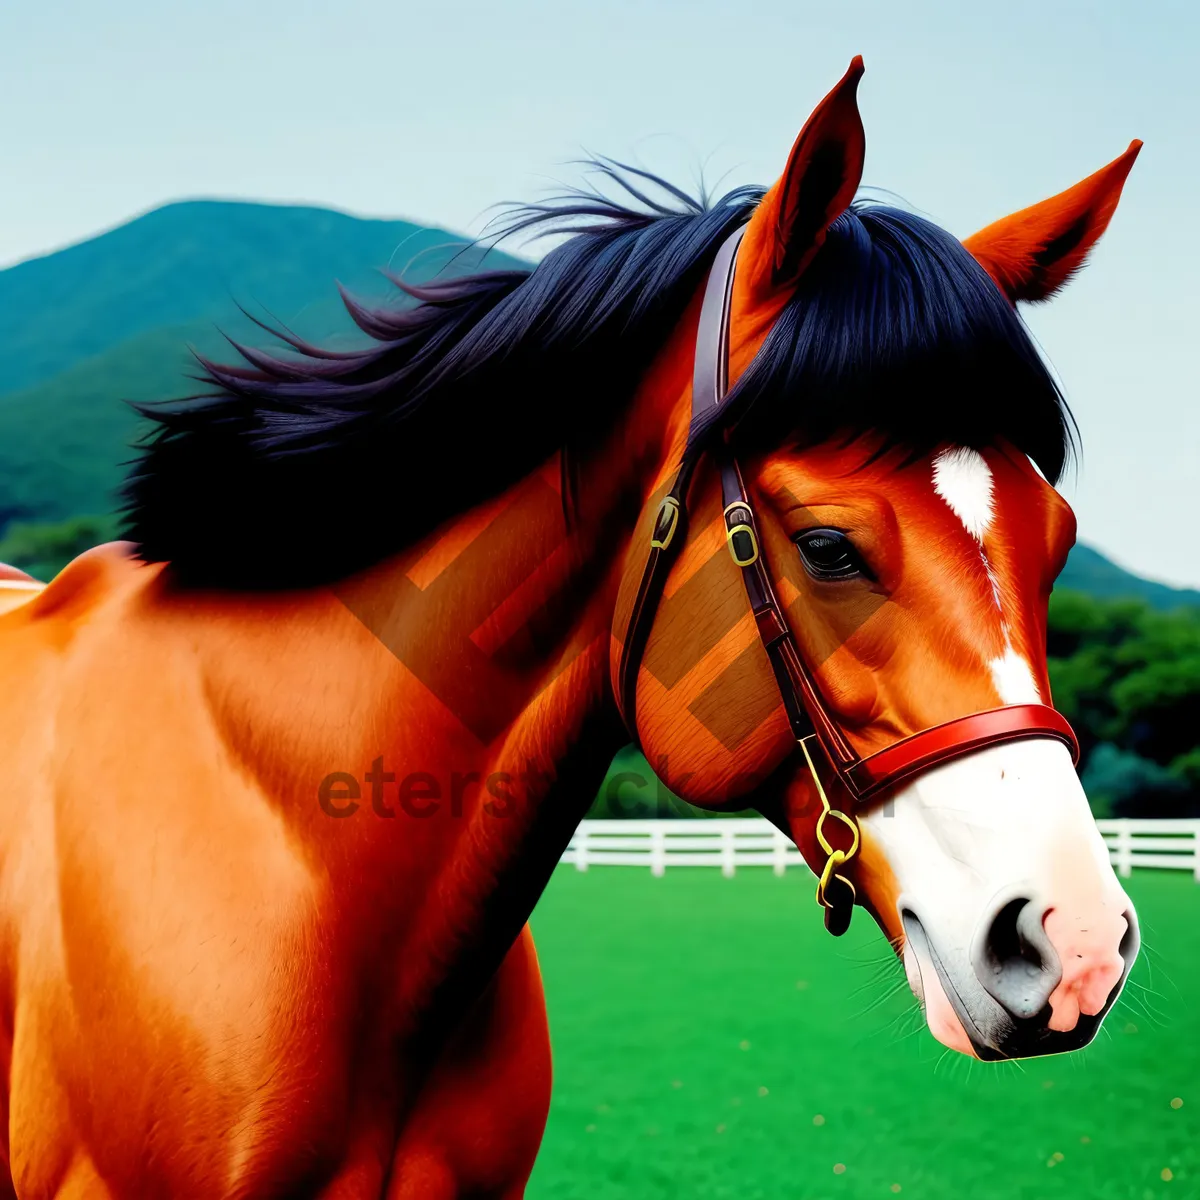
{"points": [[863, 778]]}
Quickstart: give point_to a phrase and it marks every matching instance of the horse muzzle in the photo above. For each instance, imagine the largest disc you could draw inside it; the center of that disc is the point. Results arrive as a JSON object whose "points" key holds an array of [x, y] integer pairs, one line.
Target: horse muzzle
{"points": [[1036, 980]]}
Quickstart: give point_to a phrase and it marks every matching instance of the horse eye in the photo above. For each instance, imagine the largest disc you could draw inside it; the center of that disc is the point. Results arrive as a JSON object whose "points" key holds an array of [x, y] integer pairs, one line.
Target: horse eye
{"points": [[829, 554]]}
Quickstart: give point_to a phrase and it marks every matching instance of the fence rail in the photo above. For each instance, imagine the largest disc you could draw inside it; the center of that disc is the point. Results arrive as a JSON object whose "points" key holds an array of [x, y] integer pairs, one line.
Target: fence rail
{"points": [[729, 843]]}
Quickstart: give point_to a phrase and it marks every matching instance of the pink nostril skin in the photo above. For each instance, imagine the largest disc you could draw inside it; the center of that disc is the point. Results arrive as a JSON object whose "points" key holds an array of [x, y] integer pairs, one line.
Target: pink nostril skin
{"points": [[1087, 940]]}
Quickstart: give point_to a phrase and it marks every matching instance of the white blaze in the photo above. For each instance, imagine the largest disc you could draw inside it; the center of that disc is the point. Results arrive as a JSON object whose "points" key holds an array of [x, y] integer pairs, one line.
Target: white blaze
{"points": [[963, 479], [1013, 678]]}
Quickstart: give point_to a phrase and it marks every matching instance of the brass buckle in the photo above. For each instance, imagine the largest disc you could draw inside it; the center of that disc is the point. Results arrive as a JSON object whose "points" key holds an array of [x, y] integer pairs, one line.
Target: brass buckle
{"points": [[835, 893], [741, 538], [668, 514], [744, 548]]}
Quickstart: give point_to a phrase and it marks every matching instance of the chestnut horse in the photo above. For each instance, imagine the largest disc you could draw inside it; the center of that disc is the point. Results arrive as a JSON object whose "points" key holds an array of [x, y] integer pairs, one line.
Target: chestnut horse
{"points": [[289, 768]]}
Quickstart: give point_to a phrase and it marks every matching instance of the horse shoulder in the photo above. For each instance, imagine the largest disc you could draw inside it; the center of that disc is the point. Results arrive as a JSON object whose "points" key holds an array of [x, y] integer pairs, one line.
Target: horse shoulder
{"points": [[159, 901], [16, 587], [87, 581]]}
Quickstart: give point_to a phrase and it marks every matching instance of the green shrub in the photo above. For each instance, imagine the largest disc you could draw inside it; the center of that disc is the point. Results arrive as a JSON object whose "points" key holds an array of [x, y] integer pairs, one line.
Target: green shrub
{"points": [[1128, 679], [44, 548]]}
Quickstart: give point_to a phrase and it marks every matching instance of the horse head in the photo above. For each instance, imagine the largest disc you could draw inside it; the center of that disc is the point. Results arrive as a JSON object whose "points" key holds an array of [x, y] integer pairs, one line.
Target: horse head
{"points": [[892, 438]]}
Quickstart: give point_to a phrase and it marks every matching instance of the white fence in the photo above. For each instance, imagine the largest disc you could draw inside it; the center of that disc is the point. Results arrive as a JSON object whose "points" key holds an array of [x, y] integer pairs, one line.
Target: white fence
{"points": [[1165, 845], [730, 843]]}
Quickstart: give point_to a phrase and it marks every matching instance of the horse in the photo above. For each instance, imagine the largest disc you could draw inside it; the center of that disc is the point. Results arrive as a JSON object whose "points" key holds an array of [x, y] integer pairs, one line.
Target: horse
{"points": [[291, 764]]}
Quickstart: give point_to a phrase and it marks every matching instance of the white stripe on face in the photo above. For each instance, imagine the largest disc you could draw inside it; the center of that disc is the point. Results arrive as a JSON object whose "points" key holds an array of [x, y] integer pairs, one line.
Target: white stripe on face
{"points": [[1013, 678], [963, 479]]}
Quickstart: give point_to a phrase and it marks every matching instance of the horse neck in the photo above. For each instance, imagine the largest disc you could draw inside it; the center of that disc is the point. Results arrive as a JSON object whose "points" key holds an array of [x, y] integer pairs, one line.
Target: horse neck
{"points": [[469, 677], [497, 628]]}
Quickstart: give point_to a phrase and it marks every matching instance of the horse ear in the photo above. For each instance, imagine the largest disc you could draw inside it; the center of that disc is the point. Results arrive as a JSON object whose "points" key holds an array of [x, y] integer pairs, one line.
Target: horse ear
{"points": [[822, 175], [1032, 253]]}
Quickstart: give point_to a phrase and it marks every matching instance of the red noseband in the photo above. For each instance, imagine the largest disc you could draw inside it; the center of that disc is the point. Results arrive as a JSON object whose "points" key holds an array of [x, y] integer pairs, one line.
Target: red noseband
{"points": [[910, 756]]}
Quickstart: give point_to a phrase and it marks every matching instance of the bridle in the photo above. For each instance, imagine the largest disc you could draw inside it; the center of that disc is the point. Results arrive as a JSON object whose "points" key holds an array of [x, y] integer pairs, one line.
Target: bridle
{"points": [[861, 779]]}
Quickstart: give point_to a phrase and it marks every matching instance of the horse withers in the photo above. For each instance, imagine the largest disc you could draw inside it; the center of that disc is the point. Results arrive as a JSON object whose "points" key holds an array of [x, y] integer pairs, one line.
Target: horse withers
{"points": [[289, 768]]}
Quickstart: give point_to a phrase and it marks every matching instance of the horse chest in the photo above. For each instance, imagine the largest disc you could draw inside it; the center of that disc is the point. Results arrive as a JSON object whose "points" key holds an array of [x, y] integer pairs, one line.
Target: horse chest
{"points": [[265, 1065]]}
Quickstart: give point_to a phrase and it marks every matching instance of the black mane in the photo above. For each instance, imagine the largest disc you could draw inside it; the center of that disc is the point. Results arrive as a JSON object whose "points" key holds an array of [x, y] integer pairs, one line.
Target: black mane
{"points": [[301, 465]]}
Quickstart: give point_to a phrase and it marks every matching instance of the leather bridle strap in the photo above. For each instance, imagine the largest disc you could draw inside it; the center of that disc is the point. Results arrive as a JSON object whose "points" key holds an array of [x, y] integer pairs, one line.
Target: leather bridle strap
{"points": [[862, 778], [801, 700], [899, 762], [709, 383]]}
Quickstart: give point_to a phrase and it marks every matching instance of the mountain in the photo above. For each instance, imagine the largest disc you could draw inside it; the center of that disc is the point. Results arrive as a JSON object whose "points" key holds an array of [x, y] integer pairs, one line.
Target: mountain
{"points": [[87, 328], [194, 262], [1087, 570], [62, 441]]}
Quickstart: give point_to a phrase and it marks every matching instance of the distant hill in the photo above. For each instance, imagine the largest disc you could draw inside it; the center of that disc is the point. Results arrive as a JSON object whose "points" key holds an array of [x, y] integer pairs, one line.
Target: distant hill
{"points": [[195, 261], [62, 441], [111, 319], [1087, 570]]}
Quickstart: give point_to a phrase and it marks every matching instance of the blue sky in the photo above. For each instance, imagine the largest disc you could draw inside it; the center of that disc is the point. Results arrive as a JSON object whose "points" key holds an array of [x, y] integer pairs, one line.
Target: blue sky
{"points": [[437, 110]]}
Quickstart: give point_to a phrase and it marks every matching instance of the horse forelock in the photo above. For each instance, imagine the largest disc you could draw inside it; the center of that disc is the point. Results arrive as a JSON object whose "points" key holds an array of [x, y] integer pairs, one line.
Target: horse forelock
{"points": [[896, 330]]}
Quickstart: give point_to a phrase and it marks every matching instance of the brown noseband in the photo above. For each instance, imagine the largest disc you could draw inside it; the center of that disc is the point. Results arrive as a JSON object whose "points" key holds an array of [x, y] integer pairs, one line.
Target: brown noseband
{"points": [[860, 778]]}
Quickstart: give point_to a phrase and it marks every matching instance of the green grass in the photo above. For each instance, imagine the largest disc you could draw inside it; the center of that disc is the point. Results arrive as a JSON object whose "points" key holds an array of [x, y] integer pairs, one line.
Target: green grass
{"points": [[701, 1025]]}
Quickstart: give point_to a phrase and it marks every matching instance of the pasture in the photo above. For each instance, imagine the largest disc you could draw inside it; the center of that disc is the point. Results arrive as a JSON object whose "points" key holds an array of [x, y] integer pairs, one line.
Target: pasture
{"points": [[711, 1040]]}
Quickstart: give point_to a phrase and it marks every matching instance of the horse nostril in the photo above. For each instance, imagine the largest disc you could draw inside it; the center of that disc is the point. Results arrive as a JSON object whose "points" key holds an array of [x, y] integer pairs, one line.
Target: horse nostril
{"points": [[1005, 942], [1131, 942], [1015, 961]]}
